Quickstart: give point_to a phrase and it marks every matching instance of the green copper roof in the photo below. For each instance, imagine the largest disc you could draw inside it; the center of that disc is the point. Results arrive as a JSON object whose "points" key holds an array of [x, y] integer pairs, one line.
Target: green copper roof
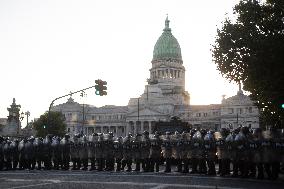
{"points": [[167, 45]]}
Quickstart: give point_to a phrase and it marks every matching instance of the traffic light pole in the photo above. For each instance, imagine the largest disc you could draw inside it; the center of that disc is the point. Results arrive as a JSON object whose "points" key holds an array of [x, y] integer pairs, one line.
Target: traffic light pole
{"points": [[52, 102]]}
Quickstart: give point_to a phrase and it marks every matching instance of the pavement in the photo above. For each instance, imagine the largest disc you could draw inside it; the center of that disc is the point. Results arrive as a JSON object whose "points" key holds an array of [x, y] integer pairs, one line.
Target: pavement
{"points": [[125, 180]]}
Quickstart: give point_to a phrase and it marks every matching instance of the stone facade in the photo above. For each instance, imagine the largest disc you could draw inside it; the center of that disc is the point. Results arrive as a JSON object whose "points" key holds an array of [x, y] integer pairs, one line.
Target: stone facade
{"points": [[164, 96]]}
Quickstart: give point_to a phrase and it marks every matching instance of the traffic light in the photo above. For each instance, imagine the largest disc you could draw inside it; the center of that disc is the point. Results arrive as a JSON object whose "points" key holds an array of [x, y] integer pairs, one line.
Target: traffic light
{"points": [[282, 106], [101, 87]]}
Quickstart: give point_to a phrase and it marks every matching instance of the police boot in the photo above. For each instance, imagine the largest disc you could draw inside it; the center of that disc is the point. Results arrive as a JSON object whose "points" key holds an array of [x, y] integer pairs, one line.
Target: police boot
{"points": [[260, 174], [100, 164], [118, 165], [267, 167], [151, 165], [186, 168], [194, 166], [93, 164], [129, 162], [179, 166], [168, 166], [275, 169], [74, 165], [211, 167], [235, 169], [202, 166], [252, 170], [157, 167], [137, 166]]}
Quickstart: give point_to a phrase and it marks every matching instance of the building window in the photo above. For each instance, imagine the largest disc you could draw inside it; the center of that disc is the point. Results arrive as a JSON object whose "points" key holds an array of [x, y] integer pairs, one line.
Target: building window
{"points": [[93, 117], [205, 114], [250, 109], [198, 114], [215, 113], [68, 129], [231, 110]]}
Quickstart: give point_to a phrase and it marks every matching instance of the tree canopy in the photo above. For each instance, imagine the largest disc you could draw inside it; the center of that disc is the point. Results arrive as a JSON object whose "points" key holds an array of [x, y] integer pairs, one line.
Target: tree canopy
{"points": [[56, 124], [249, 48]]}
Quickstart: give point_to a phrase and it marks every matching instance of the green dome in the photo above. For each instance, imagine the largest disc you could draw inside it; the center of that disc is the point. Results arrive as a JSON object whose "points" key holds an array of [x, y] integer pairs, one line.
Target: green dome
{"points": [[167, 45]]}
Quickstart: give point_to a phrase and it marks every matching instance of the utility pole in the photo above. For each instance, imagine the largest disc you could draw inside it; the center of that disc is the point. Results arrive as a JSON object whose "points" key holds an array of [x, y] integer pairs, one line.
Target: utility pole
{"points": [[138, 109]]}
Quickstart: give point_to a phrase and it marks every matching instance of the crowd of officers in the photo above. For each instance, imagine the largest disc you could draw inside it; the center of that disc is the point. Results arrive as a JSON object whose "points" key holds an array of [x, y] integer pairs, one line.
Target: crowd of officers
{"points": [[258, 154]]}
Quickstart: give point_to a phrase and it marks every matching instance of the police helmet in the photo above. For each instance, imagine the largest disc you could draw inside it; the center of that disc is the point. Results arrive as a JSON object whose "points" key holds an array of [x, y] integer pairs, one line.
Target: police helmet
{"points": [[145, 133]]}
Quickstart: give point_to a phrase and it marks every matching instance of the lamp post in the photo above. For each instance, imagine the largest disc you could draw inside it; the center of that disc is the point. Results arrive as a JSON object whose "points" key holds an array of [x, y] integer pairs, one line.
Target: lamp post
{"points": [[27, 113], [21, 117], [83, 94]]}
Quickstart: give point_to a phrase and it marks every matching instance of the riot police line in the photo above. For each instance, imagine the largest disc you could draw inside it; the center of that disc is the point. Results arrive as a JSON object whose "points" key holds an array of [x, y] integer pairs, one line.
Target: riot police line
{"points": [[258, 154]]}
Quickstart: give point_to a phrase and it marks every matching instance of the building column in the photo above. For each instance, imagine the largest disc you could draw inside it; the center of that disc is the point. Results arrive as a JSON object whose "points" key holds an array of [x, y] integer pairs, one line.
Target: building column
{"points": [[150, 127]]}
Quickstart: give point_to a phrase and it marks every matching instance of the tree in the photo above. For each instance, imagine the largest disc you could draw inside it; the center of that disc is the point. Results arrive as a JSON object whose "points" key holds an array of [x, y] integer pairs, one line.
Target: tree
{"points": [[56, 124], [249, 48]]}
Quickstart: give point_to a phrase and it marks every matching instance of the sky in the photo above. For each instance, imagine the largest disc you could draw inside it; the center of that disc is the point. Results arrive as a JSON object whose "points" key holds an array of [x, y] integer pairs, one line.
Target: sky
{"points": [[49, 48]]}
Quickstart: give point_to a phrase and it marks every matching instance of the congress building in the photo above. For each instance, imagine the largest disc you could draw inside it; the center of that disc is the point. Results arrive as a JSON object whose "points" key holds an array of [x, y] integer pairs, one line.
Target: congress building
{"points": [[164, 96]]}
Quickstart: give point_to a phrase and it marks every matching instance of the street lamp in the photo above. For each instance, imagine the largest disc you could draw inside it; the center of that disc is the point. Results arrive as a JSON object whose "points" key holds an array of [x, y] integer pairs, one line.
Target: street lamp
{"points": [[21, 117], [27, 113]]}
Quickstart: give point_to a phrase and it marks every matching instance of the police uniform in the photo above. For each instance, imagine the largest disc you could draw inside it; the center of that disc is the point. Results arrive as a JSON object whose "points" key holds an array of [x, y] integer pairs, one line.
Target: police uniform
{"points": [[145, 151], [15, 154], [99, 145], [196, 153], [210, 152], [47, 152], [167, 151], [8, 155], [83, 152], [127, 156], [177, 150], [1, 153], [109, 152], [135, 151], [118, 152], [91, 150], [185, 153], [65, 151], [74, 153], [155, 153]]}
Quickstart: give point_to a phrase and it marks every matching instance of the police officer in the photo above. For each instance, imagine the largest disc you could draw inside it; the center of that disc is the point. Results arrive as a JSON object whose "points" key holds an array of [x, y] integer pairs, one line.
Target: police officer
{"points": [[92, 155], [196, 146], [177, 150], [65, 151], [109, 152], [56, 155], [276, 153], [167, 151], [127, 156], [185, 154], [136, 149], [256, 152], [8, 154], [118, 152], [1, 153], [210, 152], [74, 152], [145, 151], [83, 152], [38, 144], [99, 150], [47, 152], [32, 155], [241, 158], [155, 152], [222, 153], [15, 154]]}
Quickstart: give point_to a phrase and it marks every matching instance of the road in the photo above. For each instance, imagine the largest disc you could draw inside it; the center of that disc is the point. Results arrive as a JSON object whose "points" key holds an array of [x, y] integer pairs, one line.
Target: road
{"points": [[122, 180]]}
